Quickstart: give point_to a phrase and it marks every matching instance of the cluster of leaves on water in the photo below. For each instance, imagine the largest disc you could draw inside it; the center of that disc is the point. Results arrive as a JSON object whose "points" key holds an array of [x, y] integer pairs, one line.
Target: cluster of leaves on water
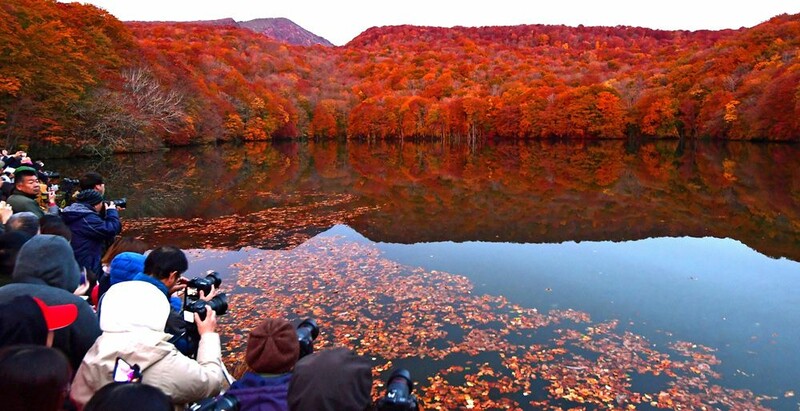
{"points": [[485, 352], [275, 227]]}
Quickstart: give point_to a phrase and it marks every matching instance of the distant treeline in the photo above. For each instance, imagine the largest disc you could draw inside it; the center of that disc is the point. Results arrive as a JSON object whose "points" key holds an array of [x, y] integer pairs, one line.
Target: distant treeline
{"points": [[73, 79]]}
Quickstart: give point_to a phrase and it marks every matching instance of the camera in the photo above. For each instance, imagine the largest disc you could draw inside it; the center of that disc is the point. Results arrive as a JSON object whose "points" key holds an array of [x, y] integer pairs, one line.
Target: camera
{"points": [[224, 402], [204, 284], [120, 202], [307, 332], [192, 302], [399, 395], [219, 304]]}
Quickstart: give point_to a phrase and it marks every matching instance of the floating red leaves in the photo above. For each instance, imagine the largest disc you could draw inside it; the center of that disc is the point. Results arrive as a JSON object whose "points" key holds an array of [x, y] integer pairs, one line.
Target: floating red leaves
{"points": [[390, 312]]}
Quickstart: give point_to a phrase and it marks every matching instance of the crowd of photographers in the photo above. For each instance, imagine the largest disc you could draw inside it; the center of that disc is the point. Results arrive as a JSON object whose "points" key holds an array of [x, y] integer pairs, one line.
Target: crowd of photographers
{"points": [[91, 320]]}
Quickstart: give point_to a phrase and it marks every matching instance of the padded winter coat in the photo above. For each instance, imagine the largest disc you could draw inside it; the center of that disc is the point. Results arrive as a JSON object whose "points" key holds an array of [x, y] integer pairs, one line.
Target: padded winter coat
{"points": [[90, 233]]}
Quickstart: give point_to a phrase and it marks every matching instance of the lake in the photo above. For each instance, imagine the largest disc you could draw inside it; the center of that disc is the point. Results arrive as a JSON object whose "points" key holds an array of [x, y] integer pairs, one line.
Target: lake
{"points": [[528, 275]]}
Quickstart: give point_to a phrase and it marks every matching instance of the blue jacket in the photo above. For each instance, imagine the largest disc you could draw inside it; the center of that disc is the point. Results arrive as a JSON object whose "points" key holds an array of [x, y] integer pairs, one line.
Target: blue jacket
{"points": [[90, 233], [175, 303]]}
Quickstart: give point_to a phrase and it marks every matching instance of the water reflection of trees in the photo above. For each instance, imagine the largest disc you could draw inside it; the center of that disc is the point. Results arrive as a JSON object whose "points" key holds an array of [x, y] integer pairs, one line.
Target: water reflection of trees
{"points": [[516, 192], [558, 192]]}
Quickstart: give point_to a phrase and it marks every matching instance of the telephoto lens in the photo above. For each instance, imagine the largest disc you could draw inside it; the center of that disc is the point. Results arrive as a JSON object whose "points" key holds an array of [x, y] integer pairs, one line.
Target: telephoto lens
{"points": [[307, 332]]}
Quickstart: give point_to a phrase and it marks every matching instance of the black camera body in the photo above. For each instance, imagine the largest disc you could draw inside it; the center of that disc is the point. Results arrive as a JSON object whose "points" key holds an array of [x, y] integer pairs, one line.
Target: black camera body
{"points": [[224, 402], [307, 332], [120, 202], [399, 397], [192, 302], [204, 284]]}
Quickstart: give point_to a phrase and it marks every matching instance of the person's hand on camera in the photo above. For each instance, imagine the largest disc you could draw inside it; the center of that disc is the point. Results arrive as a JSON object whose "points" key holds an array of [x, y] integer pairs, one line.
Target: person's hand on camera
{"points": [[179, 286], [111, 206], [209, 325], [51, 197], [211, 294]]}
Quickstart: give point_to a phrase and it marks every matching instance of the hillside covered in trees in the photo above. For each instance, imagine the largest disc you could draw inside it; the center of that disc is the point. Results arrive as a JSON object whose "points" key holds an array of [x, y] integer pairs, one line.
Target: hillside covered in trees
{"points": [[73, 78]]}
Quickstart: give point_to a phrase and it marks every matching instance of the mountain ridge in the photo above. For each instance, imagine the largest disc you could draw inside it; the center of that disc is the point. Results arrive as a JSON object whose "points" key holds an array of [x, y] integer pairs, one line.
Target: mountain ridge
{"points": [[278, 28]]}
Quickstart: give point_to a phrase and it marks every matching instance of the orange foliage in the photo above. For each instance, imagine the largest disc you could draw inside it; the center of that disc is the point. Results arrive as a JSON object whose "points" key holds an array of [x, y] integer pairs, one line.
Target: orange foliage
{"points": [[528, 81]]}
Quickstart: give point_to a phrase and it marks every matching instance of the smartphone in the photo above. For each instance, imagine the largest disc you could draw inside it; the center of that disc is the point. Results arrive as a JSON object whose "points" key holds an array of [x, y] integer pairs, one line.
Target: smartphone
{"points": [[83, 276], [124, 372]]}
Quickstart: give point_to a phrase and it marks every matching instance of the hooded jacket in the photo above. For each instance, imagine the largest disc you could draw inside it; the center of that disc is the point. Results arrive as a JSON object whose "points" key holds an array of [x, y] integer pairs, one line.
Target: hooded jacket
{"points": [[132, 317], [335, 379], [53, 279], [125, 266], [90, 232]]}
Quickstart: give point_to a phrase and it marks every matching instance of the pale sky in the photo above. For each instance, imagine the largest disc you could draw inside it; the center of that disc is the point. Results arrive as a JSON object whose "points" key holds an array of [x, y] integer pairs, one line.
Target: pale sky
{"points": [[340, 21]]}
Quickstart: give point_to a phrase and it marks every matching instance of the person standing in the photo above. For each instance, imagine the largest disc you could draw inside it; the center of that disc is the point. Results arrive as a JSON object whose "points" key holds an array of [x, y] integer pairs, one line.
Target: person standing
{"points": [[91, 231], [26, 190]]}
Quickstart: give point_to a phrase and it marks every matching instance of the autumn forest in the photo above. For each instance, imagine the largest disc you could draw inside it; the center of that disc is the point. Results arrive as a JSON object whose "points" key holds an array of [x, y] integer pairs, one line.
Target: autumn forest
{"points": [[74, 79]]}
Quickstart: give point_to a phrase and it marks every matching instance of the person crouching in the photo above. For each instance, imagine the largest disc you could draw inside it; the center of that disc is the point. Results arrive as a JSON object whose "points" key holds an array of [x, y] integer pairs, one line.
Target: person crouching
{"points": [[272, 351]]}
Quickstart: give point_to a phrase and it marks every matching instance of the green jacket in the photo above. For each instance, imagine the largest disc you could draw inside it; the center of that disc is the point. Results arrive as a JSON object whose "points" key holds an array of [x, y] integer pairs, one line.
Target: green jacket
{"points": [[20, 202]]}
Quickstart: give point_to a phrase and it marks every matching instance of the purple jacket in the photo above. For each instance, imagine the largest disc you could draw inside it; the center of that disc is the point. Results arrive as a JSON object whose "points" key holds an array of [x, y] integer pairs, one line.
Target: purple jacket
{"points": [[258, 393]]}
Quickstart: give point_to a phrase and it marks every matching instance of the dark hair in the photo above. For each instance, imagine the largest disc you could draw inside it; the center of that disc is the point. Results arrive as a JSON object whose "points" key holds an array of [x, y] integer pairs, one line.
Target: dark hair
{"points": [[35, 376], [89, 180], [124, 396], [53, 224], [22, 173], [164, 260], [10, 243], [26, 221], [122, 245]]}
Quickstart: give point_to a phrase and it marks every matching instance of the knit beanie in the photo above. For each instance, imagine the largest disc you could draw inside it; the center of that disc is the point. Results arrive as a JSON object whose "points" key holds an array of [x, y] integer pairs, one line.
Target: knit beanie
{"points": [[272, 347], [331, 380], [89, 196], [48, 259]]}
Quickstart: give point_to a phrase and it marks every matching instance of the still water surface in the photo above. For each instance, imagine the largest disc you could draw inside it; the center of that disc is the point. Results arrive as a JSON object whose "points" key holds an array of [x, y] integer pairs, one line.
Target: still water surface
{"points": [[697, 243]]}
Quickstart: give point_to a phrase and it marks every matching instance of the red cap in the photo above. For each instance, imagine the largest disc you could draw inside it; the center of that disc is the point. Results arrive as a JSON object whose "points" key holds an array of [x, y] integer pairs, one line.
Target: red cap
{"points": [[57, 316]]}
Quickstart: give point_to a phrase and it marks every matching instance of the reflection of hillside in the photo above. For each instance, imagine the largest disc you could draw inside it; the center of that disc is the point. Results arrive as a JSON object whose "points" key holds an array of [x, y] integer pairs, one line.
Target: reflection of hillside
{"points": [[418, 192], [558, 192]]}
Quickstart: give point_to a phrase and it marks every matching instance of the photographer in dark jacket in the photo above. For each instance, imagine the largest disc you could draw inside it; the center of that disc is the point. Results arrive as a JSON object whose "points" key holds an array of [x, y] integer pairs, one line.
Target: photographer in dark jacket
{"points": [[90, 231]]}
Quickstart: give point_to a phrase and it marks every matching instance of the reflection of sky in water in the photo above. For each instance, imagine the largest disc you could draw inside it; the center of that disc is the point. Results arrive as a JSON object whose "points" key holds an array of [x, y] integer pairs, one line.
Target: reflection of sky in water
{"points": [[716, 292]]}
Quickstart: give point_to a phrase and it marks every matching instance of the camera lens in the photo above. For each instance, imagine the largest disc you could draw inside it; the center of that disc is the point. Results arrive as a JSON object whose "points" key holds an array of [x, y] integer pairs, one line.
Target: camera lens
{"points": [[214, 278], [398, 392], [219, 304], [307, 332]]}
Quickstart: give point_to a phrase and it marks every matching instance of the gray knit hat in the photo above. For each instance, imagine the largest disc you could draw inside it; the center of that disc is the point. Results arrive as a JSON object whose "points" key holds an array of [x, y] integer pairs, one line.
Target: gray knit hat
{"points": [[90, 196]]}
